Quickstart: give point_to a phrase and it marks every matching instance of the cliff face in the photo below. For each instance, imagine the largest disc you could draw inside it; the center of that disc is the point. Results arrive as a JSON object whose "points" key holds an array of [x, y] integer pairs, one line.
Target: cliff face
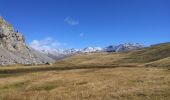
{"points": [[9, 38], [13, 49]]}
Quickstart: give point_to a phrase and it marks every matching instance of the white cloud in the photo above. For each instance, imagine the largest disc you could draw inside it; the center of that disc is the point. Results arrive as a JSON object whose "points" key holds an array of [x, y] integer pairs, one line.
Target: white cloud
{"points": [[45, 44], [71, 21]]}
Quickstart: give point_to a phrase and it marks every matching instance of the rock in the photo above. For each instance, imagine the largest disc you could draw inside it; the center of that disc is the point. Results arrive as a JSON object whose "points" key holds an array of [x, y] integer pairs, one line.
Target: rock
{"points": [[48, 63], [13, 49]]}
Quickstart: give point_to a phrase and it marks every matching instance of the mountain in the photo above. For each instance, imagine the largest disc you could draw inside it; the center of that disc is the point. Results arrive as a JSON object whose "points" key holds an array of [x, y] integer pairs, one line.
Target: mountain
{"points": [[153, 56], [150, 54], [91, 49], [13, 49], [123, 47], [62, 53], [58, 54]]}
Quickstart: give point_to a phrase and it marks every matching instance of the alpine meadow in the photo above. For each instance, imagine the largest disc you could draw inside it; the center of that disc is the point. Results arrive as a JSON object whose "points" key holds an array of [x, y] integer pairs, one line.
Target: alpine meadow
{"points": [[84, 50]]}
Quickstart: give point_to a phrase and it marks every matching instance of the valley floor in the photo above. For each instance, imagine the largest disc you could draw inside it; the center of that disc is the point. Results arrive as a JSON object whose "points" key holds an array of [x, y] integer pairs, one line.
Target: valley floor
{"points": [[119, 83]]}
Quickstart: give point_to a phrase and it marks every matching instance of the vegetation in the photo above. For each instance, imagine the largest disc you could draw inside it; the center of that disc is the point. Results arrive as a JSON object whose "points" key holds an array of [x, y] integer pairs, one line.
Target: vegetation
{"points": [[154, 53], [138, 75], [92, 84], [1, 21]]}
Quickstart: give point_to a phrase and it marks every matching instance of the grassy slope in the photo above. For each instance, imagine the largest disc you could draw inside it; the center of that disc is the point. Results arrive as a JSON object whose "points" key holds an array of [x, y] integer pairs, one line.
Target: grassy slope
{"points": [[150, 54], [155, 55], [121, 83], [160, 63], [95, 76], [93, 59]]}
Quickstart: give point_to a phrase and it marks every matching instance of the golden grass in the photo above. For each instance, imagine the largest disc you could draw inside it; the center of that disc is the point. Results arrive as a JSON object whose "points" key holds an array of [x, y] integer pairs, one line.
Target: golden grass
{"points": [[91, 59], [157, 56], [160, 63], [148, 55], [121, 83], [138, 75]]}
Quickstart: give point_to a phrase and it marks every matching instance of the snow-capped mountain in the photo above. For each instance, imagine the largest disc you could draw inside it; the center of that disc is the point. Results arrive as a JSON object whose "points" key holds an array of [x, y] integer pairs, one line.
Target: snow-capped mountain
{"points": [[123, 47], [110, 48], [55, 54], [91, 49], [72, 51], [62, 53]]}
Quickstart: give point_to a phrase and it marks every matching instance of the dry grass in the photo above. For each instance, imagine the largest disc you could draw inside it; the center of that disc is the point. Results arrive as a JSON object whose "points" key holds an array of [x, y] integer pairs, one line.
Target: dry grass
{"points": [[95, 76], [157, 56], [90, 59], [160, 63], [139, 83], [147, 55]]}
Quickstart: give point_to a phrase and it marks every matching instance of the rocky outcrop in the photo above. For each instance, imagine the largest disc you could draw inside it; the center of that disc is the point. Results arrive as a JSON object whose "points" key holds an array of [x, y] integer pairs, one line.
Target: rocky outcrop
{"points": [[13, 49]]}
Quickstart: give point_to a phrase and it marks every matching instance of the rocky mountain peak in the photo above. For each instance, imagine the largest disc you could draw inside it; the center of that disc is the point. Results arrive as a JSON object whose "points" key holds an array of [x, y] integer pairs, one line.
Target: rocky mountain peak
{"points": [[13, 49], [9, 38]]}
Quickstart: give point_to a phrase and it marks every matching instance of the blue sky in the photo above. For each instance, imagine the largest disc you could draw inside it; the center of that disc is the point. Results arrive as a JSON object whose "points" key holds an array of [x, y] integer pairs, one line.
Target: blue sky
{"points": [[81, 23]]}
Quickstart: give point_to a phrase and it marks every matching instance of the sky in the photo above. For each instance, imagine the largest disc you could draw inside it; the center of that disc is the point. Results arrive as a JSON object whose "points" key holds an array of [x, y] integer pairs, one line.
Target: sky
{"points": [[81, 23]]}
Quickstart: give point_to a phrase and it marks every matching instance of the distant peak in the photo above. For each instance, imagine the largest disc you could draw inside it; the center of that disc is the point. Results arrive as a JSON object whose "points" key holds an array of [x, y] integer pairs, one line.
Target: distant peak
{"points": [[123, 47]]}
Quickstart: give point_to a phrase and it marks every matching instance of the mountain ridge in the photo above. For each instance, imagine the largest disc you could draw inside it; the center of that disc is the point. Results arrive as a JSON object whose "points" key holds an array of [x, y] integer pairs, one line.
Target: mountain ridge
{"points": [[152, 56], [62, 53]]}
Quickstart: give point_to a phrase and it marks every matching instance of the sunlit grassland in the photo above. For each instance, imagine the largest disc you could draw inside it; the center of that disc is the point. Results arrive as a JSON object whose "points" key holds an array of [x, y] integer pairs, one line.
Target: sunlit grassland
{"points": [[127, 83], [137, 75]]}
